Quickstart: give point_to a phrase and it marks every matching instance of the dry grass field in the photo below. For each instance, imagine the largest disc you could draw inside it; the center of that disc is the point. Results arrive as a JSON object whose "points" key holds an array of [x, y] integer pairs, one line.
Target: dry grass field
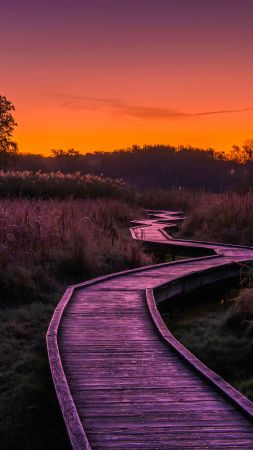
{"points": [[44, 246], [57, 230]]}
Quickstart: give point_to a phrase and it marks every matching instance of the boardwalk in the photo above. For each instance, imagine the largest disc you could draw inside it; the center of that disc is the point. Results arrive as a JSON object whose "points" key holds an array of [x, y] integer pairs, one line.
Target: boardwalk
{"points": [[122, 380]]}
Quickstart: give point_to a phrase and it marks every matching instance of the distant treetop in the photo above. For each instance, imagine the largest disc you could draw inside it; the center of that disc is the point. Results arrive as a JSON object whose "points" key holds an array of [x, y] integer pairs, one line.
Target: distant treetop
{"points": [[8, 148], [61, 153], [242, 154]]}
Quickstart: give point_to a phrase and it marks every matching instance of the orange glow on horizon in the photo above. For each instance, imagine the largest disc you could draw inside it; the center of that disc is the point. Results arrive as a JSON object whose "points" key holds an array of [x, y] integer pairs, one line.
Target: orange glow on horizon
{"points": [[109, 74], [102, 131]]}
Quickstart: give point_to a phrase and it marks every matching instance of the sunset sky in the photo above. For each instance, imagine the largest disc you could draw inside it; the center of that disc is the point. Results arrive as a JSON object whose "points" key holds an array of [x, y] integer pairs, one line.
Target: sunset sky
{"points": [[105, 74]]}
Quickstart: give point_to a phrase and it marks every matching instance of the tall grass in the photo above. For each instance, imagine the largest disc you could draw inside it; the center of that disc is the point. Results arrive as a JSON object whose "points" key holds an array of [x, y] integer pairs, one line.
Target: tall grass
{"points": [[216, 324], [226, 217], [173, 199], [59, 185], [219, 332], [42, 242], [221, 217], [55, 230], [240, 316], [45, 245]]}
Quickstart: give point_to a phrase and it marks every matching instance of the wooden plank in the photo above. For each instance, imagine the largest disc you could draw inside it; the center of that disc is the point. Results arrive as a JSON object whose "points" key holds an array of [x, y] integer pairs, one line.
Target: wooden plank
{"points": [[118, 382]]}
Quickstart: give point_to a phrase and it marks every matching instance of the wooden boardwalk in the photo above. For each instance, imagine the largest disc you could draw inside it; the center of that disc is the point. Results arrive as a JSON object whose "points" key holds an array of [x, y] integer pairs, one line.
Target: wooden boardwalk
{"points": [[122, 379]]}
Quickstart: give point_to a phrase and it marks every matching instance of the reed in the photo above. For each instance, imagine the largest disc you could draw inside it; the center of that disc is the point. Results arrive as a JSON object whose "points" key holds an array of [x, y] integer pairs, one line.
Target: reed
{"points": [[221, 218], [59, 185]]}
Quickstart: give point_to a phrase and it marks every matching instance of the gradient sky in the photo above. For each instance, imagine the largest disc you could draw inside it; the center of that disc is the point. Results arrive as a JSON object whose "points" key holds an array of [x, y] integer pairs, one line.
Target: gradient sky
{"points": [[105, 74]]}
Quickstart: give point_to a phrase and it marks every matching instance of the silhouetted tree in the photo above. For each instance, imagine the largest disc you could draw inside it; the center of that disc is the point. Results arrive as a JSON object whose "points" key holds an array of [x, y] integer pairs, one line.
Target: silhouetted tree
{"points": [[8, 148], [150, 166], [248, 149], [242, 154], [66, 160], [63, 153]]}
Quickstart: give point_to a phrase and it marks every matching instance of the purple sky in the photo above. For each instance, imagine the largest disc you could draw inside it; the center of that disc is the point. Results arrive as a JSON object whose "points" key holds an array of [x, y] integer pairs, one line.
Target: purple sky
{"points": [[184, 56]]}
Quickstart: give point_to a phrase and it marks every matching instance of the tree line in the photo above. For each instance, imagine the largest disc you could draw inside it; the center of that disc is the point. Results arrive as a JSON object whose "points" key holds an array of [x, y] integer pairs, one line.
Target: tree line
{"points": [[149, 166]]}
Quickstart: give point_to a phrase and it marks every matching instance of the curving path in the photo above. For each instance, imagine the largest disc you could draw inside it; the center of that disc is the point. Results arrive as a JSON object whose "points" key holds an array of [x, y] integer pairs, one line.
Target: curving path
{"points": [[122, 379]]}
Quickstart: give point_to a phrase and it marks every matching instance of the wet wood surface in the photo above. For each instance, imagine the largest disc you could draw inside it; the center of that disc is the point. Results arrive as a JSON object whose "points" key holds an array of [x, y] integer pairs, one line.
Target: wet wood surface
{"points": [[122, 379]]}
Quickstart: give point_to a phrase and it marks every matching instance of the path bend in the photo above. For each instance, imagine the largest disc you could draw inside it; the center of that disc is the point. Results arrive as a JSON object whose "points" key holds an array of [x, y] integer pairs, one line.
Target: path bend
{"points": [[122, 380]]}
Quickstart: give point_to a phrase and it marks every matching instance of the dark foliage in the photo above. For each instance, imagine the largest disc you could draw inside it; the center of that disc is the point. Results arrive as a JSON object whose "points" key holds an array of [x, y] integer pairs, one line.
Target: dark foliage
{"points": [[147, 167], [8, 148]]}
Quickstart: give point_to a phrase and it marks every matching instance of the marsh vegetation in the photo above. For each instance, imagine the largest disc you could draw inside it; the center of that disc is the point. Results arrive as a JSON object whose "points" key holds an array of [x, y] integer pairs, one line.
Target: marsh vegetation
{"points": [[57, 230], [44, 246], [216, 325]]}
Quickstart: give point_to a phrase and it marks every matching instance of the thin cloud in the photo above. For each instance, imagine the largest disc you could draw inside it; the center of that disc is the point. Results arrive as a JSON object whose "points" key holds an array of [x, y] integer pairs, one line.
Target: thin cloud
{"points": [[222, 111], [115, 106]]}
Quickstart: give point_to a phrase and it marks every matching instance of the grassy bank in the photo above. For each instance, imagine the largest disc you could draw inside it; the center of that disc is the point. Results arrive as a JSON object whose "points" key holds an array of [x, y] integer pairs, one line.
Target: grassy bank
{"points": [[225, 217], [219, 332], [221, 218], [44, 246]]}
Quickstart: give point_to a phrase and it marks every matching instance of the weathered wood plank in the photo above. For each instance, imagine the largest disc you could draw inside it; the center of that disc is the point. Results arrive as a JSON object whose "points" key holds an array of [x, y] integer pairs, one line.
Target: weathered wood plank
{"points": [[122, 379]]}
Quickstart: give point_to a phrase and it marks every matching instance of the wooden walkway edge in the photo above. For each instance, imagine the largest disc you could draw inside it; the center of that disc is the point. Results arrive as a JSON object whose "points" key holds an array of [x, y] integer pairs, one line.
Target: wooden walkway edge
{"points": [[101, 331]]}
